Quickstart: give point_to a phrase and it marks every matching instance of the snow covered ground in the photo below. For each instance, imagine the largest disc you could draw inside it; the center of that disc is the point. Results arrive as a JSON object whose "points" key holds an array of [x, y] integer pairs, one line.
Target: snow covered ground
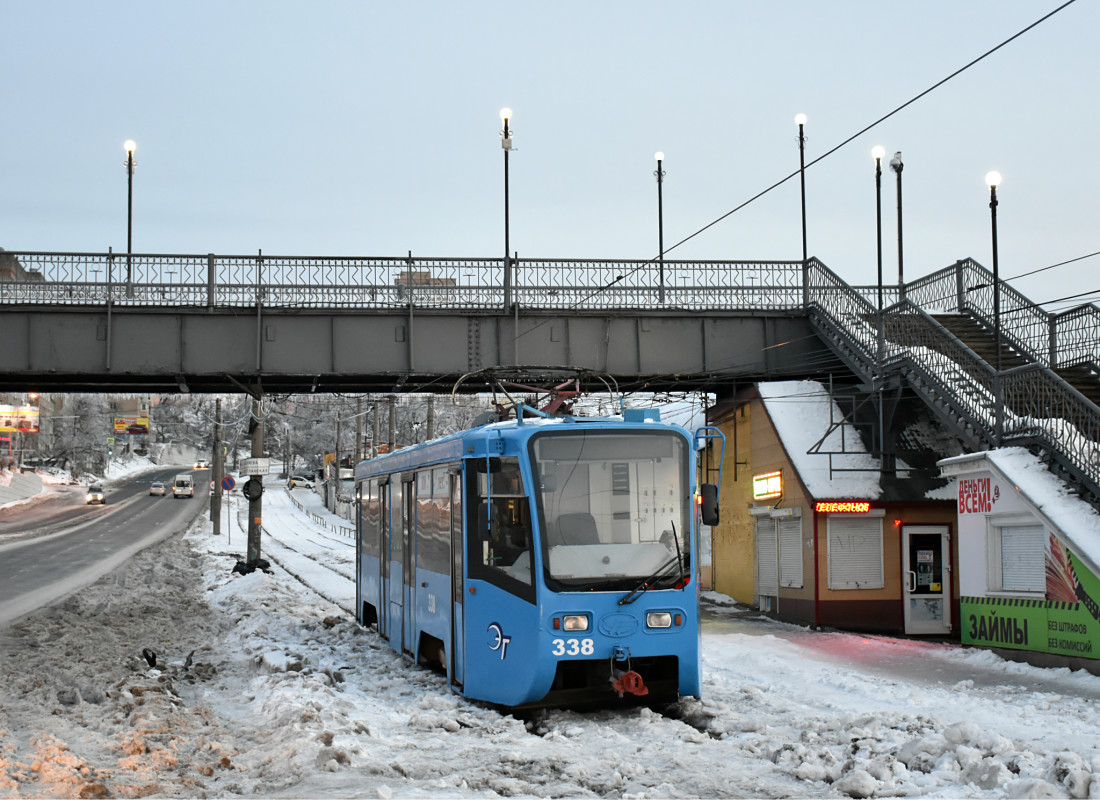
{"points": [[263, 685]]}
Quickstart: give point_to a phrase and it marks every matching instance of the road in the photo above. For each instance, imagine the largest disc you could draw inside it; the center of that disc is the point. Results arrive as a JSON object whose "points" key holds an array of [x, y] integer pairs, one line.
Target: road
{"points": [[51, 548]]}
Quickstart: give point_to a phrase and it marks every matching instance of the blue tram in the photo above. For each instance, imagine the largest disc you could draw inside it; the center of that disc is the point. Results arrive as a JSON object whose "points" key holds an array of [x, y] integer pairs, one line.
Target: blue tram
{"points": [[544, 562]]}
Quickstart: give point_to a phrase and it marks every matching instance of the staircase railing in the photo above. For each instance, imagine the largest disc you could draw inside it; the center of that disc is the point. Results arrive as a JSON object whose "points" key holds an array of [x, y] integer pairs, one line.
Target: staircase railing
{"points": [[1075, 337], [1058, 340], [947, 370], [1036, 405]]}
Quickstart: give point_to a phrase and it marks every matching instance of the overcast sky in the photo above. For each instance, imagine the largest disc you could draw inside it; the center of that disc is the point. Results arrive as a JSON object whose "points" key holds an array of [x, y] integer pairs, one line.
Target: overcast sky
{"points": [[368, 128]]}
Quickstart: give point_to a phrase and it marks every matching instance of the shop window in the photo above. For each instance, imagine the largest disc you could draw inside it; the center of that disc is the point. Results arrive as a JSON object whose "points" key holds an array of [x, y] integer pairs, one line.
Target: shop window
{"points": [[1017, 558], [855, 553]]}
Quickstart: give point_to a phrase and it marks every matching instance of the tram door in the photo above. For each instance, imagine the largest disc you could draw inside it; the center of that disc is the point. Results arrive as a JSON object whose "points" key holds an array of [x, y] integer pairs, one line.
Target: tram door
{"points": [[396, 565], [384, 561], [458, 638], [408, 537]]}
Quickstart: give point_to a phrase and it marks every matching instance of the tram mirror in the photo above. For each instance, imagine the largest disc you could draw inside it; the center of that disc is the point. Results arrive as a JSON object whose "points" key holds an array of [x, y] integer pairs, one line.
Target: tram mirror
{"points": [[708, 503], [488, 465]]}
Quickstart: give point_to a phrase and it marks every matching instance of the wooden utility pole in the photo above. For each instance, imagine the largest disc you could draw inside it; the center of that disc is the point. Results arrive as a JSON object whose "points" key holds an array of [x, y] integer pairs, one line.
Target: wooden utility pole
{"points": [[358, 429], [377, 431], [218, 470], [255, 497], [431, 418], [393, 423]]}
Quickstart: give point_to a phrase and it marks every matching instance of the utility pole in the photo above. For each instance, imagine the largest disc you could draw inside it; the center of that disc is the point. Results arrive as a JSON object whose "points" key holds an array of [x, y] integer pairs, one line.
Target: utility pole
{"points": [[431, 418], [393, 423], [218, 470], [255, 495], [377, 431], [336, 464], [358, 429]]}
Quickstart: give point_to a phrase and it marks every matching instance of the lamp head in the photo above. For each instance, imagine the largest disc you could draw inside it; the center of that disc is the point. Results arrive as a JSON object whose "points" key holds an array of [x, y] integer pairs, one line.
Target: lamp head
{"points": [[129, 145], [877, 152], [895, 162], [799, 119], [993, 179], [505, 114], [659, 156]]}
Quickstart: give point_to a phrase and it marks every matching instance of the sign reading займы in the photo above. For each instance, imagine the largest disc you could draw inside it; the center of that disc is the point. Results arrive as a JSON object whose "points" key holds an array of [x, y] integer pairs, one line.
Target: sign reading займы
{"points": [[1066, 622]]}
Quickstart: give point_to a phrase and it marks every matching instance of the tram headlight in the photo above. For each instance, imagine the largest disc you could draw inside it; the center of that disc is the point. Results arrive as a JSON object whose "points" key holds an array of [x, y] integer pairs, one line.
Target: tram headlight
{"points": [[658, 619], [574, 622]]}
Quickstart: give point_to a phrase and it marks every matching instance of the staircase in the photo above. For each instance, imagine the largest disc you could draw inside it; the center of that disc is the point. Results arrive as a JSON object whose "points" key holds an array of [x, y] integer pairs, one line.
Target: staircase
{"points": [[971, 333], [948, 359]]}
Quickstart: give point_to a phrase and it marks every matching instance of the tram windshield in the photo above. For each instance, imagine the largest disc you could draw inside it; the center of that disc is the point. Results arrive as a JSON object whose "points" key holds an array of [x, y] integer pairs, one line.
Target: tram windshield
{"points": [[613, 507]]}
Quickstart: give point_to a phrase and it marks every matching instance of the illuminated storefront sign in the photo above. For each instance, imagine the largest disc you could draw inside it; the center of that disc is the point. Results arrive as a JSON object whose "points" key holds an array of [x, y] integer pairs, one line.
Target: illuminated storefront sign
{"points": [[767, 486], [842, 507], [22, 419]]}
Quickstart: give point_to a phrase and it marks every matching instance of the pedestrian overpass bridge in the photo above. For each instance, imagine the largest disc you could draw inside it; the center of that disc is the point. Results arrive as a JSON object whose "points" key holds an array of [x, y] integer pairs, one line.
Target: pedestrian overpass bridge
{"points": [[1007, 373]]}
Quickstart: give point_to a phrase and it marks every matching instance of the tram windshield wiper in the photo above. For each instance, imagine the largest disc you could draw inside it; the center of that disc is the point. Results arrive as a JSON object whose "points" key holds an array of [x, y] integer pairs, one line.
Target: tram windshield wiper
{"points": [[663, 571]]}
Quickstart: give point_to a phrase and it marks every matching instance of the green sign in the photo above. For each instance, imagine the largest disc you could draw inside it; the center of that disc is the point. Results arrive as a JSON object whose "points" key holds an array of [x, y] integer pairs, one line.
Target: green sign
{"points": [[1067, 623]]}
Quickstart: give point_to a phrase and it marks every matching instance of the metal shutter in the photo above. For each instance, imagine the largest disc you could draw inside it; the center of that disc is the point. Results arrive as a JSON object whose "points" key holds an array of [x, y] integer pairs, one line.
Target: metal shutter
{"points": [[767, 558], [1023, 558], [855, 553], [790, 552]]}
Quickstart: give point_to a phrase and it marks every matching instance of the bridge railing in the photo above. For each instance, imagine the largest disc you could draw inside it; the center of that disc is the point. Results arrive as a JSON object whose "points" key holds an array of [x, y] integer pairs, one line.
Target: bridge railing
{"points": [[386, 283]]}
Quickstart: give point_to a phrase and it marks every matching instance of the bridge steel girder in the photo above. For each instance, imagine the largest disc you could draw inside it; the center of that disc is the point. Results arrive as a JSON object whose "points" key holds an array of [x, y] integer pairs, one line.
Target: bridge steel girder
{"points": [[279, 350]]}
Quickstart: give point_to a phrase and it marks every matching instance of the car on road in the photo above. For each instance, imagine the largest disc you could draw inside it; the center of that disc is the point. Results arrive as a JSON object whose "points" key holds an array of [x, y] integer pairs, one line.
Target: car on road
{"points": [[299, 480], [157, 487], [95, 494], [183, 486], [201, 464]]}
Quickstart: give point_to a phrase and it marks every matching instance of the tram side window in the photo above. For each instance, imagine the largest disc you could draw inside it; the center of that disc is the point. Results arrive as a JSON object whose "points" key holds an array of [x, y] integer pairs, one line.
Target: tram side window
{"points": [[499, 527], [433, 526], [368, 516]]}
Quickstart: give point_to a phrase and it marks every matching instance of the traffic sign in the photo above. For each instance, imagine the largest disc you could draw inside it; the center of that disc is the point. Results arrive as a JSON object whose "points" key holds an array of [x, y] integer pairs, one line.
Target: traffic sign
{"points": [[255, 466], [228, 483]]}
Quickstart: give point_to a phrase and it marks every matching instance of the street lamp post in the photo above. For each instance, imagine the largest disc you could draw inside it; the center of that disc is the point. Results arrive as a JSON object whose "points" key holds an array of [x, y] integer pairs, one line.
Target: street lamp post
{"points": [[877, 152], [130, 146], [800, 120], [897, 166], [993, 179], [506, 145], [660, 173]]}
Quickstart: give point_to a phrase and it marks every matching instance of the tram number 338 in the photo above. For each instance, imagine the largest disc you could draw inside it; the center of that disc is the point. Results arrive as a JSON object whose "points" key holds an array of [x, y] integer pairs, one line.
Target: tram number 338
{"points": [[573, 647]]}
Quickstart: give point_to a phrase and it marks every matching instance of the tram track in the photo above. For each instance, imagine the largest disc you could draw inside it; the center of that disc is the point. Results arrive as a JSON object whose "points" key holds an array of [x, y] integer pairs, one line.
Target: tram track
{"points": [[319, 573], [687, 714]]}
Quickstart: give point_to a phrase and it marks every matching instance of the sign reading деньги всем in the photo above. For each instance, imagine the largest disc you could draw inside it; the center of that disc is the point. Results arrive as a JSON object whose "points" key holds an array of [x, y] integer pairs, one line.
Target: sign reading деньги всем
{"points": [[1066, 622]]}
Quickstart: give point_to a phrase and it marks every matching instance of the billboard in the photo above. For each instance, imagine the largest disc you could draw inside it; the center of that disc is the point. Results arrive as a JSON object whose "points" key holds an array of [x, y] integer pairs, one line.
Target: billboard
{"points": [[132, 426], [19, 418], [1066, 623]]}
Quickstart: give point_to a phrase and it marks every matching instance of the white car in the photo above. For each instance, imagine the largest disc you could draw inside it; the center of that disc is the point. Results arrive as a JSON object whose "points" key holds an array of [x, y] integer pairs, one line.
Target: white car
{"points": [[300, 480], [201, 464], [157, 487], [95, 494]]}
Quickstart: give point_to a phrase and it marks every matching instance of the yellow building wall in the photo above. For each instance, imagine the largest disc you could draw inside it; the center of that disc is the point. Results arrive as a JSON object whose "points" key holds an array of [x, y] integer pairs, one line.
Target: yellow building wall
{"points": [[733, 541]]}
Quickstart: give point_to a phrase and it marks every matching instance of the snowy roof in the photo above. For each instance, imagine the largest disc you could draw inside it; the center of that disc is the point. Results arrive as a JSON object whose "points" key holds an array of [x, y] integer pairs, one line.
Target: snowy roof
{"points": [[801, 412], [1077, 521]]}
